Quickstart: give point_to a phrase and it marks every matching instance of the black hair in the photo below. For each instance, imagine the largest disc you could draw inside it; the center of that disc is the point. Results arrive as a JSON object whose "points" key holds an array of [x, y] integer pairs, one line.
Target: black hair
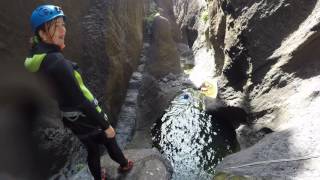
{"points": [[44, 27]]}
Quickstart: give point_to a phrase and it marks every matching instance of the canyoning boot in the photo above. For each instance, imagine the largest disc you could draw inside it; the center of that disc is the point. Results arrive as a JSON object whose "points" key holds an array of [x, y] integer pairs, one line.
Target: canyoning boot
{"points": [[126, 168], [103, 174]]}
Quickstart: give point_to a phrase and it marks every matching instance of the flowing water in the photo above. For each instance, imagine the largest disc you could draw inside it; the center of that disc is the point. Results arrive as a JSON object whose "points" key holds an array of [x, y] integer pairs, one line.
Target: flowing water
{"points": [[192, 140]]}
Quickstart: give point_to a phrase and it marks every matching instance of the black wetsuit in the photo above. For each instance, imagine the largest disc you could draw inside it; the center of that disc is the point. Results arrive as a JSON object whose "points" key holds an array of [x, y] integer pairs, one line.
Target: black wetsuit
{"points": [[71, 94]]}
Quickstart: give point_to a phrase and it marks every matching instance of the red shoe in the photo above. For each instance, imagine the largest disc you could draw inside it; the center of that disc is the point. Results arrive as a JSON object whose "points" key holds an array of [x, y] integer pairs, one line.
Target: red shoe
{"points": [[126, 168], [103, 174]]}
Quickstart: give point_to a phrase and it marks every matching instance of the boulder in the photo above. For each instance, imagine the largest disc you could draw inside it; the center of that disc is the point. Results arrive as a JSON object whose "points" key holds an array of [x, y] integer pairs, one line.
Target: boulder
{"points": [[148, 165], [166, 10], [163, 55], [289, 154]]}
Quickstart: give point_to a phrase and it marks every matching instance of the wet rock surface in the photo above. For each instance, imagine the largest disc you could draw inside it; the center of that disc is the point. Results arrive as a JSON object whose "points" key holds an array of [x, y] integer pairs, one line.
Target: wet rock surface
{"points": [[148, 164]]}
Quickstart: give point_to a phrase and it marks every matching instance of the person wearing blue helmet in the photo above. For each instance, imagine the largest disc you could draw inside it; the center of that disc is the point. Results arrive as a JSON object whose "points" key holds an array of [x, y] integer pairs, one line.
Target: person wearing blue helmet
{"points": [[46, 16], [79, 108]]}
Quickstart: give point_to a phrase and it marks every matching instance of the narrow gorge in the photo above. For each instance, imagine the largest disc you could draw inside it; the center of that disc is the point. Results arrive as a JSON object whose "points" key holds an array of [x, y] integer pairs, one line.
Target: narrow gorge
{"points": [[150, 64]]}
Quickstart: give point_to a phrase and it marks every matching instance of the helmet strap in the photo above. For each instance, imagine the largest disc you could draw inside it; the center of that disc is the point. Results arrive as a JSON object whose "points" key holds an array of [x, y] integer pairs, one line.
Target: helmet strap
{"points": [[36, 39]]}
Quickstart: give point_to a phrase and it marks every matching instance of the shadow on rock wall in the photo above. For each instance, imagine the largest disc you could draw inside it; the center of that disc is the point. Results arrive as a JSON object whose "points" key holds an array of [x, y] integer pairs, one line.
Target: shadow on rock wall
{"points": [[270, 24], [305, 62], [273, 23]]}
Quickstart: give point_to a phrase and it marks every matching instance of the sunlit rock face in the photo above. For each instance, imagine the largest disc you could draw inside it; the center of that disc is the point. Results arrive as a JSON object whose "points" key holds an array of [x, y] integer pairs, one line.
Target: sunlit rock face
{"points": [[265, 52], [261, 49], [192, 18]]}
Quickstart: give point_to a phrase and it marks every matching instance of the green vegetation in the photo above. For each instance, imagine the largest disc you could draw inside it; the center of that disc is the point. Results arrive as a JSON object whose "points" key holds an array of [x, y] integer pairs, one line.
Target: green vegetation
{"points": [[79, 167], [205, 15], [150, 17], [148, 20]]}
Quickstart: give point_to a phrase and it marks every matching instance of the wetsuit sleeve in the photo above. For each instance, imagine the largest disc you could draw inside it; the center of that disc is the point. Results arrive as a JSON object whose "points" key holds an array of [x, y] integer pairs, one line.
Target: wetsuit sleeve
{"points": [[63, 74]]}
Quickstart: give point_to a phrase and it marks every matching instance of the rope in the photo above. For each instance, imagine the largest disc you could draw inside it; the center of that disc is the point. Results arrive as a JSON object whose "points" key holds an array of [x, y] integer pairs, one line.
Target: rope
{"points": [[275, 161]]}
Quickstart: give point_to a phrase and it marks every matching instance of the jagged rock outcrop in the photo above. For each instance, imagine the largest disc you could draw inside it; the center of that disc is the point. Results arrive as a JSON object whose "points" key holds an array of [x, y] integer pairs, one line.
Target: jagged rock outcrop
{"points": [[217, 32], [187, 14], [192, 18], [265, 53]]}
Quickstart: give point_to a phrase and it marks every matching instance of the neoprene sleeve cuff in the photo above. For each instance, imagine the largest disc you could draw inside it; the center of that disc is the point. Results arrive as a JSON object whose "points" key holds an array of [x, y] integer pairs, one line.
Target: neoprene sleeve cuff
{"points": [[90, 111]]}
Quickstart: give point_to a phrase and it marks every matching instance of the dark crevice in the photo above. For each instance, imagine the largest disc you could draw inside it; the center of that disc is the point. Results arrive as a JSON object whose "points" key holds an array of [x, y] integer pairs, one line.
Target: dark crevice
{"points": [[231, 116], [298, 65], [266, 130], [190, 34], [227, 8], [218, 45], [237, 71], [259, 73]]}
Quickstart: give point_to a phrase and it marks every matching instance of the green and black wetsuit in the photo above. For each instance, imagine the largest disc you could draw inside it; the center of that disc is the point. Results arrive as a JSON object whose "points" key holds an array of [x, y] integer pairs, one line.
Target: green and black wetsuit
{"points": [[70, 92], [81, 112]]}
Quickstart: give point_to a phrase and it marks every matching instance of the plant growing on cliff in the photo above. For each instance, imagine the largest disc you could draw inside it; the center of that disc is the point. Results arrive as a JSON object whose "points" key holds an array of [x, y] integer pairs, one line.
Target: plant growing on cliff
{"points": [[150, 18], [205, 16]]}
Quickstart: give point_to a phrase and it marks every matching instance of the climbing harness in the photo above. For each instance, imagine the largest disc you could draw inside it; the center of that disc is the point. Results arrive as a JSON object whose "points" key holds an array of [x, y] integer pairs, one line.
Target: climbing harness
{"points": [[72, 115], [105, 117], [90, 134]]}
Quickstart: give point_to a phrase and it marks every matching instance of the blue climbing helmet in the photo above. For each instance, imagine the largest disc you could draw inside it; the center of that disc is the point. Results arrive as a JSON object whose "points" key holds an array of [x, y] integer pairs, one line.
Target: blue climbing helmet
{"points": [[43, 14]]}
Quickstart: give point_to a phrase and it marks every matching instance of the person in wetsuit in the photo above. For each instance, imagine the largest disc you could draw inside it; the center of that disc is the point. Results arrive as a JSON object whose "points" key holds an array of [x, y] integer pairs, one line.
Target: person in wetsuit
{"points": [[80, 110]]}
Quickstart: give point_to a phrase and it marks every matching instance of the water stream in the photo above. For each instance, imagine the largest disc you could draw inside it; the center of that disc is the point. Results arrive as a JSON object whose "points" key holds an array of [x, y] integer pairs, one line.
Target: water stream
{"points": [[192, 140]]}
